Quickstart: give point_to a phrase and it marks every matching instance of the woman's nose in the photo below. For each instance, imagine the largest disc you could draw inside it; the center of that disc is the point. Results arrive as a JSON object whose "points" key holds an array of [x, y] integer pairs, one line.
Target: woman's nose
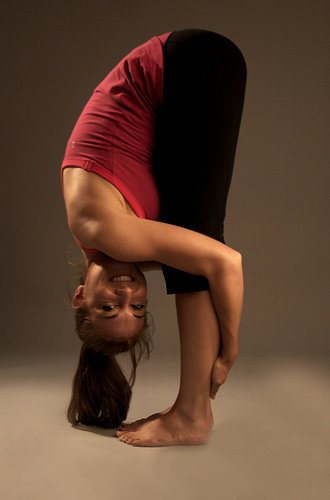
{"points": [[123, 289]]}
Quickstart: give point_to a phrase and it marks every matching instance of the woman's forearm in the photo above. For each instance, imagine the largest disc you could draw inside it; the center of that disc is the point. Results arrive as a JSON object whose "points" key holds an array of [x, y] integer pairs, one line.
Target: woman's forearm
{"points": [[226, 287]]}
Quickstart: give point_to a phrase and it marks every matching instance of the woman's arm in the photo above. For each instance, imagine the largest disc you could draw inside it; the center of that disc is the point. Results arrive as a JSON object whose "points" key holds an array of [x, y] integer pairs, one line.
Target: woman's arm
{"points": [[227, 290], [132, 239]]}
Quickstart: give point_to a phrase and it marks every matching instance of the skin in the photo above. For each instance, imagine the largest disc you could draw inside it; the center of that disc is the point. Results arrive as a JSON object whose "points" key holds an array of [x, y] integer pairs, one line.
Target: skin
{"points": [[189, 420], [98, 291], [106, 299]]}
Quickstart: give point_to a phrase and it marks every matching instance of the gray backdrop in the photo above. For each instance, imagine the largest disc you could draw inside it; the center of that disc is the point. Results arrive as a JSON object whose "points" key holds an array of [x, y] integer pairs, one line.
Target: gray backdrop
{"points": [[57, 52], [271, 415]]}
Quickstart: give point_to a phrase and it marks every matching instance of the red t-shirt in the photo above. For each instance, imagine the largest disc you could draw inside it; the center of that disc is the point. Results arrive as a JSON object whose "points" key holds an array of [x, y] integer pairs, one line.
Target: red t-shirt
{"points": [[114, 135]]}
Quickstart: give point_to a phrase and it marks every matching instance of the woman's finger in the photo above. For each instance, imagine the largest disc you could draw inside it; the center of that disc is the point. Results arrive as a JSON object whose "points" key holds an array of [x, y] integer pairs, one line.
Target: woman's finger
{"points": [[214, 390]]}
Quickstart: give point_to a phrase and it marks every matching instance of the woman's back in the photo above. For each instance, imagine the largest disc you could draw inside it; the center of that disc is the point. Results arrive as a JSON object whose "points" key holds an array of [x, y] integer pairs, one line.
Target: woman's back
{"points": [[114, 135]]}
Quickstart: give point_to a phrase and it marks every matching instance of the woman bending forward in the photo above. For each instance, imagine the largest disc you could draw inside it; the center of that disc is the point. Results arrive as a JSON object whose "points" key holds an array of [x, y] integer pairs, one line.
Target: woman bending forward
{"points": [[145, 178]]}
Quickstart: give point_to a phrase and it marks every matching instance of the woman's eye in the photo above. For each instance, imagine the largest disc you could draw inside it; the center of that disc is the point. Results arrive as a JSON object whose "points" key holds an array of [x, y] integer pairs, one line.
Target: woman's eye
{"points": [[108, 308]]}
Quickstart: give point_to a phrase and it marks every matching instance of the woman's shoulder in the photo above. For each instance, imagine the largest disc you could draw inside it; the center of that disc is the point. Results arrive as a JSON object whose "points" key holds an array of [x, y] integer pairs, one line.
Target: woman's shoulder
{"points": [[86, 191]]}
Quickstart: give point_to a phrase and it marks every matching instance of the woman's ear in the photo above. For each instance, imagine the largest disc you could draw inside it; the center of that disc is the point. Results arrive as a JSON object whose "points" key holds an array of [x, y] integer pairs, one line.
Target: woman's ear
{"points": [[78, 298]]}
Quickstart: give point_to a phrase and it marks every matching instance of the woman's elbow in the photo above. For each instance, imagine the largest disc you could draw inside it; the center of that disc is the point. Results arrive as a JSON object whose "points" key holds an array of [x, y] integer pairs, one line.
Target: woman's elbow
{"points": [[228, 261]]}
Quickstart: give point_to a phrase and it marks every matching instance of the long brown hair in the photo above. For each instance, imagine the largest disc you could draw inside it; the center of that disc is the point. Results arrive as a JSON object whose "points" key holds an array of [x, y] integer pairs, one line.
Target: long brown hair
{"points": [[101, 394]]}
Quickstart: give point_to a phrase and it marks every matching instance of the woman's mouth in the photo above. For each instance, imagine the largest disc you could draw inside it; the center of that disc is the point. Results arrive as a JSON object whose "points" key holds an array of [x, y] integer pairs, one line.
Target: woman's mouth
{"points": [[121, 277]]}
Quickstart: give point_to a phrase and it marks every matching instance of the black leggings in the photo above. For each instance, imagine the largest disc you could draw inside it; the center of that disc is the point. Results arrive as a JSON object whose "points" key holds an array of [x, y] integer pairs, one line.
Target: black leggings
{"points": [[196, 135]]}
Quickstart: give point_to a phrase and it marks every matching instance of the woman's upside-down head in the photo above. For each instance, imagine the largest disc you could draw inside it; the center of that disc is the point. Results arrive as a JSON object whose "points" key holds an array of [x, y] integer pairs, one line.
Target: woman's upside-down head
{"points": [[110, 318]]}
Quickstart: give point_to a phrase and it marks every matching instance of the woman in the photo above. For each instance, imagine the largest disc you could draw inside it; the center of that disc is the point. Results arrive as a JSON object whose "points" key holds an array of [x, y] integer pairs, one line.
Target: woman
{"points": [[155, 145]]}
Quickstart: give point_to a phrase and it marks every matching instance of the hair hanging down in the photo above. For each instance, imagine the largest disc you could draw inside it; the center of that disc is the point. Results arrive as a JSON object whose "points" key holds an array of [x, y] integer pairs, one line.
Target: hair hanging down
{"points": [[101, 394]]}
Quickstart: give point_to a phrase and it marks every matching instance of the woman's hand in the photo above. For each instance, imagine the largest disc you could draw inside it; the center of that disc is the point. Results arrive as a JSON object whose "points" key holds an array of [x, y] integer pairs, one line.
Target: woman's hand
{"points": [[219, 374]]}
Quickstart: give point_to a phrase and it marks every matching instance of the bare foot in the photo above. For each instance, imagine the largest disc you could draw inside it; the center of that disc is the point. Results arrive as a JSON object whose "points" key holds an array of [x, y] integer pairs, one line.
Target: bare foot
{"points": [[172, 428], [134, 425]]}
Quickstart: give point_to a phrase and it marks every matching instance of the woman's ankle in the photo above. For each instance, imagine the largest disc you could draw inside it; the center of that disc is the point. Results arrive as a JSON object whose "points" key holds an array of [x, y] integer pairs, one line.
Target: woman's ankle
{"points": [[193, 411]]}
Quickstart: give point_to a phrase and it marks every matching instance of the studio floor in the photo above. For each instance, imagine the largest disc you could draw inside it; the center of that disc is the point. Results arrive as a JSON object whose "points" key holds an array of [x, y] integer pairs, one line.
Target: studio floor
{"points": [[270, 440]]}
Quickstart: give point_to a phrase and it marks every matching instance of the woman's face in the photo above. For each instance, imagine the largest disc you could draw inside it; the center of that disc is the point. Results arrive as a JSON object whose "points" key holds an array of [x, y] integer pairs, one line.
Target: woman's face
{"points": [[117, 308]]}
